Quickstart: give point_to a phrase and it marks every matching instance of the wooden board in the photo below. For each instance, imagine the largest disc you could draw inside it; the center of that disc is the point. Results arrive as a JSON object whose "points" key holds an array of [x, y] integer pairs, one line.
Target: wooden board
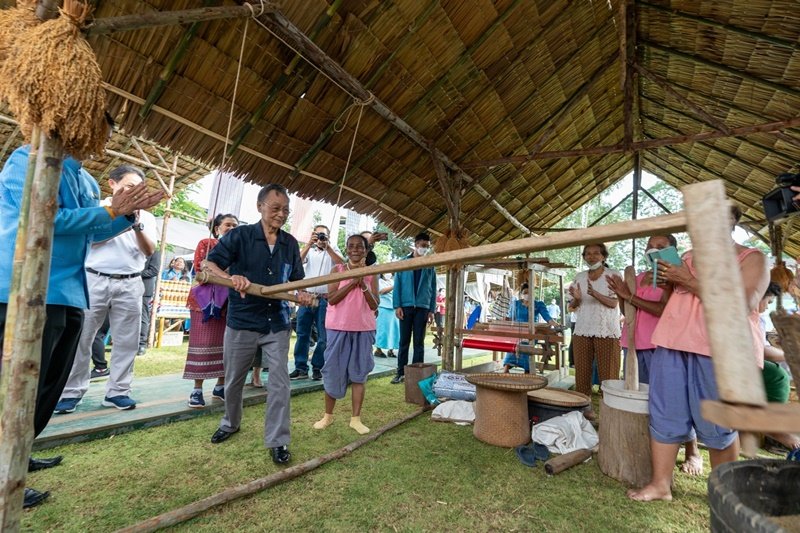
{"points": [[774, 417]]}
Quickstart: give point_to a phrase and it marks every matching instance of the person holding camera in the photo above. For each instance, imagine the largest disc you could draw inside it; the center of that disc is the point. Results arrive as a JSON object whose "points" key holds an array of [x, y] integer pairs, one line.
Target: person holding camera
{"points": [[318, 256]]}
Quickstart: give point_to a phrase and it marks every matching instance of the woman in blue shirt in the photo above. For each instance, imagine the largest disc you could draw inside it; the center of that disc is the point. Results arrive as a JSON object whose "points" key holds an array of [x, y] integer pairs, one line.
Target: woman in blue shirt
{"points": [[176, 271], [518, 312]]}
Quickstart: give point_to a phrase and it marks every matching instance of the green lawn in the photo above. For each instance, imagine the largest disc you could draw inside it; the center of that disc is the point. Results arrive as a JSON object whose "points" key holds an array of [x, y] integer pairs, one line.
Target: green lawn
{"points": [[422, 476]]}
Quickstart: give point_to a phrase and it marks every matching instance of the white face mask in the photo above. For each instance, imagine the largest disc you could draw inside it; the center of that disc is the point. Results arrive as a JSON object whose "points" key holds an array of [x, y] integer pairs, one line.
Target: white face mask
{"points": [[595, 266], [422, 252], [525, 297]]}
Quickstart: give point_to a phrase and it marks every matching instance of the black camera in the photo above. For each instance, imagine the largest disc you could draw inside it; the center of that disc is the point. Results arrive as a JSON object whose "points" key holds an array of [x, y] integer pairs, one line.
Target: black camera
{"points": [[322, 237], [779, 203]]}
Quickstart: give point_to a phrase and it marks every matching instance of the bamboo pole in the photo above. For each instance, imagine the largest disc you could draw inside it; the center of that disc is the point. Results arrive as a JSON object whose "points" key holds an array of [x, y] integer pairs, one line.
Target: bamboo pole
{"points": [[192, 510], [23, 347], [162, 248], [155, 19], [722, 294], [631, 363], [449, 321], [598, 234], [768, 127], [254, 289]]}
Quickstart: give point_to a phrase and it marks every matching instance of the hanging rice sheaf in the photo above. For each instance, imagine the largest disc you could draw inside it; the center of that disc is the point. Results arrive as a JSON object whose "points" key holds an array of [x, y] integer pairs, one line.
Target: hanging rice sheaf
{"points": [[13, 23], [51, 79], [452, 240], [781, 275]]}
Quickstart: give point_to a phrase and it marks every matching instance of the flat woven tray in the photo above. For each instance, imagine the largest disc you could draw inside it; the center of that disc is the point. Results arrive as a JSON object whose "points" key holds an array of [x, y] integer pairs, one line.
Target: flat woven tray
{"points": [[507, 382], [559, 397]]}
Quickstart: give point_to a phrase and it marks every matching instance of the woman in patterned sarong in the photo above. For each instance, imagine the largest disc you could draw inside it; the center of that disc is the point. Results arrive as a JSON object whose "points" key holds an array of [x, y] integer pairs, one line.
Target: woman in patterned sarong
{"points": [[207, 305]]}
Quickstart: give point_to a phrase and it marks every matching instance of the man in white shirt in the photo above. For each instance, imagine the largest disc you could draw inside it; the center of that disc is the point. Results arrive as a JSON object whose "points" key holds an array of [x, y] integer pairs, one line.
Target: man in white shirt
{"points": [[554, 310], [113, 271], [318, 256]]}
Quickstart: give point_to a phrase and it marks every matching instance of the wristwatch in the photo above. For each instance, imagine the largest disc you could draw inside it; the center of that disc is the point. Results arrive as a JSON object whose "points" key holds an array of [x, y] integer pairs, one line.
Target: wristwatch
{"points": [[138, 226]]}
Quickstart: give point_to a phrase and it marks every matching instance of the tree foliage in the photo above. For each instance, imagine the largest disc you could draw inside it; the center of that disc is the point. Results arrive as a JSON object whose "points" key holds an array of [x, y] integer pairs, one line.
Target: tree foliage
{"points": [[183, 207]]}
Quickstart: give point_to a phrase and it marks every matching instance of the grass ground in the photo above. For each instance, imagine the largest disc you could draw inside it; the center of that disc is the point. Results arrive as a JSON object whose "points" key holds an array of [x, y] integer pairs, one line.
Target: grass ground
{"points": [[422, 476]]}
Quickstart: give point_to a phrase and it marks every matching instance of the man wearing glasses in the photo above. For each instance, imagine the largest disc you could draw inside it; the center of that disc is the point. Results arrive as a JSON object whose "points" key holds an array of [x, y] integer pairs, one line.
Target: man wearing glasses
{"points": [[259, 253]]}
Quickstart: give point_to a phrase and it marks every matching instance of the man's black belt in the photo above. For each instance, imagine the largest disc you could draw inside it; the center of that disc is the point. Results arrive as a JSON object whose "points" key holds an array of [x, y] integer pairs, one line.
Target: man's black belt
{"points": [[114, 276]]}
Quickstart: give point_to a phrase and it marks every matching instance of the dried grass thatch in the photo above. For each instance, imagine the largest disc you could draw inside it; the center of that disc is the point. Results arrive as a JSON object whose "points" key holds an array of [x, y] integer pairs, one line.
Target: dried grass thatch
{"points": [[53, 81]]}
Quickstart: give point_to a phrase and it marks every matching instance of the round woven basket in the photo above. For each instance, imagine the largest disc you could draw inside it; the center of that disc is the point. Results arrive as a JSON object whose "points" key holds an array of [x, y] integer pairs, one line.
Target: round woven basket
{"points": [[507, 382], [559, 397]]}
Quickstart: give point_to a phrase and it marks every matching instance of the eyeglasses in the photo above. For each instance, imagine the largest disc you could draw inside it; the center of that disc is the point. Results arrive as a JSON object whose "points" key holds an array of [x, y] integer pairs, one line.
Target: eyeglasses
{"points": [[277, 209]]}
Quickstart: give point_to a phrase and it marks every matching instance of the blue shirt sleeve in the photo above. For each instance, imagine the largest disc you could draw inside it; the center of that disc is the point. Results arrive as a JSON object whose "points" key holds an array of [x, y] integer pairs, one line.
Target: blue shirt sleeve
{"points": [[541, 310], [432, 305], [398, 289], [297, 265]]}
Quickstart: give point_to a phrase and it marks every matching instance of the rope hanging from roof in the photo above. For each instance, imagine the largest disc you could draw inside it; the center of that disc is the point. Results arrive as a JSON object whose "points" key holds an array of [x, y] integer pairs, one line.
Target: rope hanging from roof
{"points": [[339, 128]]}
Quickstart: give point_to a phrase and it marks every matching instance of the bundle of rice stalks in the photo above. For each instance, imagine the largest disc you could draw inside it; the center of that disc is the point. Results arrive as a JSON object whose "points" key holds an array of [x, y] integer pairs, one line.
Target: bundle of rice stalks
{"points": [[452, 240], [15, 22], [52, 80], [781, 275]]}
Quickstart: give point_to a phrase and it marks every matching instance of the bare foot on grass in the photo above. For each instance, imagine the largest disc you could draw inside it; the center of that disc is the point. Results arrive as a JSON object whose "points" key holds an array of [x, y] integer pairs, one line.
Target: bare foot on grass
{"points": [[788, 440], [693, 465], [650, 493]]}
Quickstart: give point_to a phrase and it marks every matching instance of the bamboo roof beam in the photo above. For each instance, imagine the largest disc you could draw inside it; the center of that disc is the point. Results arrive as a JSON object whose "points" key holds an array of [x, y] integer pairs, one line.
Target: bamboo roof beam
{"points": [[328, 132], [278, 23], [155, 19], [167, 190], [746, 142], [699, 111], [430, 91], [172, 63], [722, 68], [283, 79], [642, 145], [627, 52], [733, 107], [777, 41], [205, 131]]}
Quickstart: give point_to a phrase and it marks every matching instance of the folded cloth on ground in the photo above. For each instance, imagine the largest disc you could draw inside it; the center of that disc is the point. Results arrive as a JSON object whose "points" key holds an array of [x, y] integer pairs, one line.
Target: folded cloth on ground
{"points": [[454, 386], [565, 433], [458, 411]]}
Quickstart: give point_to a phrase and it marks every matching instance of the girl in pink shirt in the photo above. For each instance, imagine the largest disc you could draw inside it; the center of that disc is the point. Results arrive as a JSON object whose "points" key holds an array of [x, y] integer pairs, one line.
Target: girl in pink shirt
{"points": [[350, 322]]}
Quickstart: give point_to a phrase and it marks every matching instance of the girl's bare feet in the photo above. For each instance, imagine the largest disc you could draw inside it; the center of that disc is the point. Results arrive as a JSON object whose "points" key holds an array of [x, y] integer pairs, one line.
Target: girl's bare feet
{"points": [[693, 465]]}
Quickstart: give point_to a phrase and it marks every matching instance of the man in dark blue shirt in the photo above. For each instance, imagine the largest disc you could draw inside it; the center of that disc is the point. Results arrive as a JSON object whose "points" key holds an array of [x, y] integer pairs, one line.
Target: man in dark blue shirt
{"points": [[259, 253]]}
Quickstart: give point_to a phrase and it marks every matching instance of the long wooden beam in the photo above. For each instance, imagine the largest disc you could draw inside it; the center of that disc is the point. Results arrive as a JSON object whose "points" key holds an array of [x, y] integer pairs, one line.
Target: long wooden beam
{"points": [[279, 24], [699, 111], [723, 68], [611, 232], [783, 43], [641, 145], [155, 19], [205, 131], [628, 29]]}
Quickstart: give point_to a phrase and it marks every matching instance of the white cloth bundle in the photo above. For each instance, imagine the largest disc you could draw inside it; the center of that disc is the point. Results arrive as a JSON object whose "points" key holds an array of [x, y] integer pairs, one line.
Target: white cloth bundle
{"points": [[565, 433]]}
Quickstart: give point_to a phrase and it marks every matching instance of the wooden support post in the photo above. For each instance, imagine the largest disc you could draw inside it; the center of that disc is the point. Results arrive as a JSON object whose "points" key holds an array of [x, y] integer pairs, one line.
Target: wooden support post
{"points": [[637, 184], [162, 248], [722, 294], [460, 276], [631, 360], [22, 350], [447, 341]]}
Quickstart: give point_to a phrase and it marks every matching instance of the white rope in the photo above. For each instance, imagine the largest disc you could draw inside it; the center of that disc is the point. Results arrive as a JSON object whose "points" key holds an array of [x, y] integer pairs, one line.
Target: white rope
{"points": [[361, 104], [228, 131]]}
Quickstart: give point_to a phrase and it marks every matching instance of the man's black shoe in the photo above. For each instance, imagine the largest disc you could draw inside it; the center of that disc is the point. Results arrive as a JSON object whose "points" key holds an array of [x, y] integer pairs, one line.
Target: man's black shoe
{"points": [[221, 435], [41, 464], [316, 374], [296, 374], [280, 455], [397, 379], [33, 498]]}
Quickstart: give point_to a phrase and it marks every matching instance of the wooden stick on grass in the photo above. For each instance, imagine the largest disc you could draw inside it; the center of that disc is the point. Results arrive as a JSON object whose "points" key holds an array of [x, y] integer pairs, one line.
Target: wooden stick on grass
{"points": [[182, 514]]}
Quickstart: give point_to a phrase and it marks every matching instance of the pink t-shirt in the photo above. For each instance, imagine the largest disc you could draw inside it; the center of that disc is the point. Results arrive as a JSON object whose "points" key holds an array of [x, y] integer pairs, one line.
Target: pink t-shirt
{"points": [[683, 328], [645, 322], [352, 313]]}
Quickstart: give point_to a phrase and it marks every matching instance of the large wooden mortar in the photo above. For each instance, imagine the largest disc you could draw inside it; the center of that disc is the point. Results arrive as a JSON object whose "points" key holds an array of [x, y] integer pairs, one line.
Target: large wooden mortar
{"points": [[625, 434]]}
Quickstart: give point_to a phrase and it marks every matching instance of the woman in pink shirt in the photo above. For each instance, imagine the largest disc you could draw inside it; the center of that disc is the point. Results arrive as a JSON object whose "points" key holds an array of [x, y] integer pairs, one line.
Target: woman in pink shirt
{"points": [[350, 322], [681, 372]]}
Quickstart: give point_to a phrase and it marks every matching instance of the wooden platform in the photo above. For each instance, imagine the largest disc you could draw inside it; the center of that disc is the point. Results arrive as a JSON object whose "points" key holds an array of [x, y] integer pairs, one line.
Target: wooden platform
{"points": [[163, 399]]}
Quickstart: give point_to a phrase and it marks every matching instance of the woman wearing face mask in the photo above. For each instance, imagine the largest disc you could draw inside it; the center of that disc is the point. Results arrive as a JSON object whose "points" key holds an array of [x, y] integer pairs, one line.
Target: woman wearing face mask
{"points": [[518, 312], [388, 332], [597, 330]]}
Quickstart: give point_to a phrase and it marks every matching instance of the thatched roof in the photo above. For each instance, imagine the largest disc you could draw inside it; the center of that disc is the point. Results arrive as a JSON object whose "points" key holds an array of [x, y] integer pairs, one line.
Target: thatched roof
{"points": [[122, 149], [483, 80]]}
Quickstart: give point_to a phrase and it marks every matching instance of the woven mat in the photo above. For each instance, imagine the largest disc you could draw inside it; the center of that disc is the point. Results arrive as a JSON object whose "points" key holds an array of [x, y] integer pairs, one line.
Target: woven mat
{"points": [[559, 397], [508, 382]]}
